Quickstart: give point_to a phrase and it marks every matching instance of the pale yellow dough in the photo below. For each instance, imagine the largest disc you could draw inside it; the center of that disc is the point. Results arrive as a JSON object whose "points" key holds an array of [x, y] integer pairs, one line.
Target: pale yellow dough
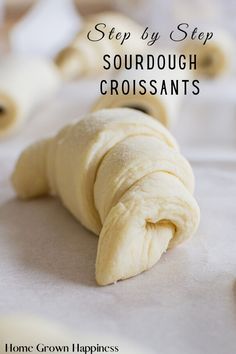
{"points": [[120, 173], [24, 84], [215, 58], [85, 57], [163, 107]]}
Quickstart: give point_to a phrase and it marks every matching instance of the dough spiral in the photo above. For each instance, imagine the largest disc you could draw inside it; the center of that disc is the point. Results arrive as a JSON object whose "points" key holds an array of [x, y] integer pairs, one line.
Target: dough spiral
{"points": [[24, 84], [84, 57], [120, 174], [215, 58]]}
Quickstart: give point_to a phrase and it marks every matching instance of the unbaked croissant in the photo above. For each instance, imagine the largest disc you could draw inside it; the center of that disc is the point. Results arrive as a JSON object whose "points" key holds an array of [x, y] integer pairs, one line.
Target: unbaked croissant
{"points": [[215, 58], [163, 107], [85, 57], [120, 174], [24, 83]]}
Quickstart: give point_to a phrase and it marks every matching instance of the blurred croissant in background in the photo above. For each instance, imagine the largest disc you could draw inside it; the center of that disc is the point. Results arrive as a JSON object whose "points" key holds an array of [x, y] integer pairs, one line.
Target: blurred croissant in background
{"points": [[27, 81]]}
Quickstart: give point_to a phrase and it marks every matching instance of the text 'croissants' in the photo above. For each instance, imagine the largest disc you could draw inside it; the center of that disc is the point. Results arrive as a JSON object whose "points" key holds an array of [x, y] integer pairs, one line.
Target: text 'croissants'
{"points": [[120, 173]]}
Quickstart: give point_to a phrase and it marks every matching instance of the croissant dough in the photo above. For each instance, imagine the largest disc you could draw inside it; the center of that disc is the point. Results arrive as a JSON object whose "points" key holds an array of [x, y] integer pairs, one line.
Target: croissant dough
{"points": [[120, 174], [165, 108], [215, 57], [24, 83], [84, 57]]}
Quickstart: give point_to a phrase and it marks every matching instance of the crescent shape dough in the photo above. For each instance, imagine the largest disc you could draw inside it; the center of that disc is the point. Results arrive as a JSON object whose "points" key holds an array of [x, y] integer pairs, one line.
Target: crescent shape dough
{"points": [[163, 107], [119, 172], [85, 57], [24, 84], [215, 58]]}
